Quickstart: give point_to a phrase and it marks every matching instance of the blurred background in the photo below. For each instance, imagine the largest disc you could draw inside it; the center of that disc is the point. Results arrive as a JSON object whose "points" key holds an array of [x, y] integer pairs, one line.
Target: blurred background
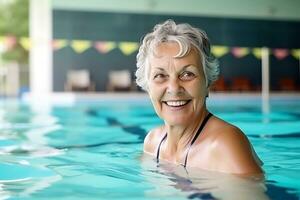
{"points": [[49, 46]]}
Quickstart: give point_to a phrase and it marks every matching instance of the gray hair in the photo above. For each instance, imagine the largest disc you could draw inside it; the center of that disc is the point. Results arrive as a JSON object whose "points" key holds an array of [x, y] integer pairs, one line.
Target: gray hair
{"points": [[187, 37]]}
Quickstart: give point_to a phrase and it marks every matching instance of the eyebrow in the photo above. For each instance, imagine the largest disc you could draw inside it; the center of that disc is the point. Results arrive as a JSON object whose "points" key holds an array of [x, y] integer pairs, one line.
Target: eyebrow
{"points": [[183, 68]]}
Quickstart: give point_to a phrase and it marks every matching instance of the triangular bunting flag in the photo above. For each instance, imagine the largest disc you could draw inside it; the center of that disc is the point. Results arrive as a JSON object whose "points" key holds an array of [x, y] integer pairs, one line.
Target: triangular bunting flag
{"points": [[219, 51], [80, 46], [104, 47], [240, 52], [59, 44], [25, 43], [296, 53], [280, 53], [9, 42], [2, 47], [257, 52], [128, 48]]}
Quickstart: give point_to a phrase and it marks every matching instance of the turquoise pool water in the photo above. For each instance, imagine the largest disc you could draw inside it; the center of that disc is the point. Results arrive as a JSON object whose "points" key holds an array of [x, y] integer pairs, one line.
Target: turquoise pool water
{"points": [[93, 150]]}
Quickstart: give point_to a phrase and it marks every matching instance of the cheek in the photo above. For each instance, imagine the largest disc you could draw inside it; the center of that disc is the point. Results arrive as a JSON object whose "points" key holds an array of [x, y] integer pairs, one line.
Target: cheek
{"points": [[202, 92], [155, 94], [155, 91], [199, 93], [198, 89]]}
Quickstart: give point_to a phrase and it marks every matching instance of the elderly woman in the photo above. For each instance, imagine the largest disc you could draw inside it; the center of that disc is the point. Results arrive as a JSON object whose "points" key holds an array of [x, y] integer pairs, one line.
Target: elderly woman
{"points": [[175, 66]]}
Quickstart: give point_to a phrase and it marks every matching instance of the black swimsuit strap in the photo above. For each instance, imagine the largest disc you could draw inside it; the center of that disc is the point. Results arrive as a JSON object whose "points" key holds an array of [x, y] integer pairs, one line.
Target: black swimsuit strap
{"points": [[193, 140], [196, 136], [157, 154]]}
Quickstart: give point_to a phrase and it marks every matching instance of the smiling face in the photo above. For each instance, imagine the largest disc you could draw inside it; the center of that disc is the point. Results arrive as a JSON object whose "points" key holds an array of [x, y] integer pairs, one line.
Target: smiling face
{"points": [[176, 86]]}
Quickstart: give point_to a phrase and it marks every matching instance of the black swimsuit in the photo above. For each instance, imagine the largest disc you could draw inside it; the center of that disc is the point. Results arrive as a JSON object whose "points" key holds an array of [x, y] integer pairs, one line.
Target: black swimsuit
{"points": [[194, 139]]}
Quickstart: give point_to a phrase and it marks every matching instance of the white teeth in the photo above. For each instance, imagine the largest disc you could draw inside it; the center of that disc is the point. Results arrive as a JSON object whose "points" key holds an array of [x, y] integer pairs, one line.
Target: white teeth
{"points": [[176, 103]]}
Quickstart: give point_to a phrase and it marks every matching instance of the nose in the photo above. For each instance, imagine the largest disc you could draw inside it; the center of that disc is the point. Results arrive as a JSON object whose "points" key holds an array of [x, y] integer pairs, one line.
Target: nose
{"points": [[174, 86]]}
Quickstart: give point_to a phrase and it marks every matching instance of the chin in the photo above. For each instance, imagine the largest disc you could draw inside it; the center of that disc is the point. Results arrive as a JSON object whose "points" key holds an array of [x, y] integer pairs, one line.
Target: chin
{"points": [[176, 120]]}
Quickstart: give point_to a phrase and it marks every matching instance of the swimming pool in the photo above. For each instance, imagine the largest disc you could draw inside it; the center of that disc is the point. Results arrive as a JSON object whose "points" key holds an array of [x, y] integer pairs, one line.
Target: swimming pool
{"points": [[93, 150]]}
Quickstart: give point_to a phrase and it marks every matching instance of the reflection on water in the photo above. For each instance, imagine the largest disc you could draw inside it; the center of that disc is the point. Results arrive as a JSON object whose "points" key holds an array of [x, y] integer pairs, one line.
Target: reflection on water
{"points": [[23, 138], [200, 184], [25, 187], [92, 151]]}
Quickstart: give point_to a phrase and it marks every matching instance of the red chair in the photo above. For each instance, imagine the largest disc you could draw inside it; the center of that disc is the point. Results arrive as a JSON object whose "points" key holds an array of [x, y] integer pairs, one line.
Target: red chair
{"points": [[241, 84], [287, 84], [219, 85]]}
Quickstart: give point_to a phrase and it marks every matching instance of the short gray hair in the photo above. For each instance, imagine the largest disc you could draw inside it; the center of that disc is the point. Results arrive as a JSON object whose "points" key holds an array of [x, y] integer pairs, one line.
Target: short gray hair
{"points": [[187, 37]]}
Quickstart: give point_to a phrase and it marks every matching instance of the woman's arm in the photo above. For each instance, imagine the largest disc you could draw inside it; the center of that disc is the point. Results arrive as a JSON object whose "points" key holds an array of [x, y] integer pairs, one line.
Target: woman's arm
{"points": [[235, 154]]}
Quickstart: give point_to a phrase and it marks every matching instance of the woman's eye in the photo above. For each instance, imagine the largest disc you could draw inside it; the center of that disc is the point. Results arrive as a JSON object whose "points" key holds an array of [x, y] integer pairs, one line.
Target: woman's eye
{"points": [[187, 76], [159, 76]]}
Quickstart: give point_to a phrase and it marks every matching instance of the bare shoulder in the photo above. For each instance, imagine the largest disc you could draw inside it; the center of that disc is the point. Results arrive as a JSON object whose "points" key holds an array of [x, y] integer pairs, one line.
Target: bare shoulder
{"points": [[228, 133], [232, 150], [152, 139]]}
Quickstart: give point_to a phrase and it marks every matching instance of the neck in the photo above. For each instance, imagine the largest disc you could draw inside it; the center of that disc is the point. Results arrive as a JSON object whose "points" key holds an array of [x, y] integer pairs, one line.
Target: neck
{"points": [[180, 136]]}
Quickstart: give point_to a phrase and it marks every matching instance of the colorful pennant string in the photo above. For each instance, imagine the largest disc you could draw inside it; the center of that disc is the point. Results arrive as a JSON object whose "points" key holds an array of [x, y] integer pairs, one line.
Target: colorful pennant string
{"points": [[280, 54], [128, 48], [296, 53], [25, 43], [2, 47], [257, 52], [59, 44], [9, 42], [79, 46], [219, 51], [105, 47], [240, 52]]}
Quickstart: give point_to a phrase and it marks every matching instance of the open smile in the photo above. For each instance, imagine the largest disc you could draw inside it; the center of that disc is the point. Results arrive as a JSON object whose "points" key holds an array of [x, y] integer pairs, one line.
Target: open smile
{"points": [[177, 103]]}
